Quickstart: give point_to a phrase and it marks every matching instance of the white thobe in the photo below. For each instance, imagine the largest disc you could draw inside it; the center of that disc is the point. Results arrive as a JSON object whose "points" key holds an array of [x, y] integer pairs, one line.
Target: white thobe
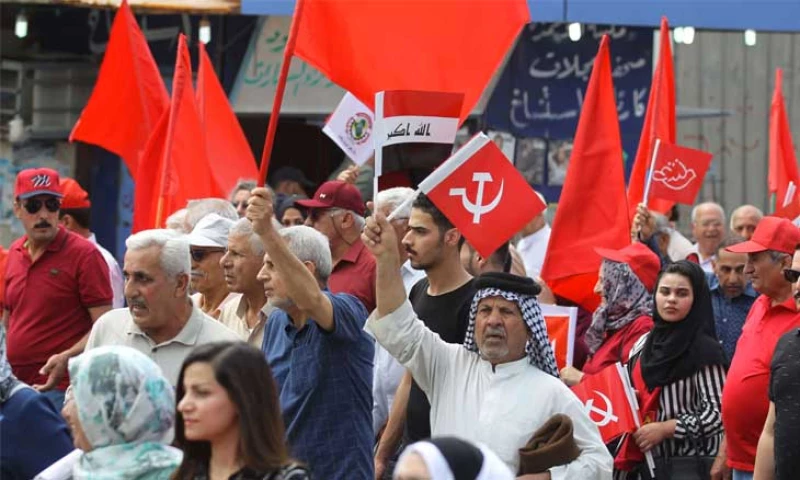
{"points": [[533, 249], [114, 274], [500, 407]]}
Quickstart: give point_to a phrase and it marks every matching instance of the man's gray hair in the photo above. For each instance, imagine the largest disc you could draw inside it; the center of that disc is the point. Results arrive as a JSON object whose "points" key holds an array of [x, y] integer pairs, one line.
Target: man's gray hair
{"points": [[177, 221], [174, 256], [308, 245], [244, 228], [197, 209], [714, 205], [359, 221], [393, 198], [736, 211], [243, 184], [661, 223], [776, 255]]}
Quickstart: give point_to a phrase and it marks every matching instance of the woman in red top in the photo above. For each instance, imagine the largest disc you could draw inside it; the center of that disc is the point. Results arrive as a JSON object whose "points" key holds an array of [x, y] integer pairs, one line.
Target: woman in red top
{"points": [[625, 283]]}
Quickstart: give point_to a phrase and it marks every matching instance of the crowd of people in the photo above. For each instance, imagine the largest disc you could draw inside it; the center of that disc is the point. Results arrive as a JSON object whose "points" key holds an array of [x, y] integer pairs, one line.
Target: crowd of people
{"points": [[273, 335]]}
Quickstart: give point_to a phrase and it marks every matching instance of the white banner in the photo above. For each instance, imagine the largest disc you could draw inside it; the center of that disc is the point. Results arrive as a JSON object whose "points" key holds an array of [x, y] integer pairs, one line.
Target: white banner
{"points": [[351, 128]]}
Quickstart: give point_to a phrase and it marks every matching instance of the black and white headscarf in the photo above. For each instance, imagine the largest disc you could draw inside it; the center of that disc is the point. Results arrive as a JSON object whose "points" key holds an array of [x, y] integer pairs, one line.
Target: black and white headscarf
{"points": [[539, 350]]}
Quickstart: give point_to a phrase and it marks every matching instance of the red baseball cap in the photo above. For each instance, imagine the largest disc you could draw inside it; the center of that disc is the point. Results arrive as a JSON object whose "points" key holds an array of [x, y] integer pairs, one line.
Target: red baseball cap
{"points": [[772, 233], [644, 263], [37, 181], [74, 195], [336, 194]]}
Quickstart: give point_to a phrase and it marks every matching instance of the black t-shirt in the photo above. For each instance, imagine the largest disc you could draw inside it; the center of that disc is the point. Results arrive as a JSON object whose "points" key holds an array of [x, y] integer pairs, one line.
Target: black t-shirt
{"points": [[784, 392], [447, 315]]}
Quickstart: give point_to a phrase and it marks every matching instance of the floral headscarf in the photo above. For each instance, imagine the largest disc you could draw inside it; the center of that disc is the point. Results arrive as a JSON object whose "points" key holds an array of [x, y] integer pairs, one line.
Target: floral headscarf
{"points": [[127, 410]]}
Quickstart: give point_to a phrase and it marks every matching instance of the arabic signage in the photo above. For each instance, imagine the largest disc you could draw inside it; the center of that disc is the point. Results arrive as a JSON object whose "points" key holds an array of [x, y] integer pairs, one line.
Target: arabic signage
{"points": [[540, 93]]}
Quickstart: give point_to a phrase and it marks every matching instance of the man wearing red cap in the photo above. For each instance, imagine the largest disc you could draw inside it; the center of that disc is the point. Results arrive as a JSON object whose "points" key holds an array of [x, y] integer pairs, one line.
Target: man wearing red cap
{"points": [[337, 211], [56, 286], [744, 401], [75, 215]]}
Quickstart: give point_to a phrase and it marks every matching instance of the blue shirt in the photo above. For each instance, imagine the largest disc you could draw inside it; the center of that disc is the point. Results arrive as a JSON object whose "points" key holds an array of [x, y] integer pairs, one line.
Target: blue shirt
{"points": [[325, 388], [729, 313]]}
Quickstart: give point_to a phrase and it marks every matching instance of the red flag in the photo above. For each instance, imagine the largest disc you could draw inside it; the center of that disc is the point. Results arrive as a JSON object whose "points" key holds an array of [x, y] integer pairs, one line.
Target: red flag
{"points": [[606, 398], [678, 173], [377, 45], [659, 122], [561, 324], [228, 151], [129, 96], [592, 211], [783, 176], [175, 157], [481, 192]]}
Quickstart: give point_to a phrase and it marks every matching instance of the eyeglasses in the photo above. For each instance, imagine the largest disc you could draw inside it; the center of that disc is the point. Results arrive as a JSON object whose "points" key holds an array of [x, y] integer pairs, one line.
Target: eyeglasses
{"points": [[35, 204], [790, 275], [199, 255], [242, 204]]}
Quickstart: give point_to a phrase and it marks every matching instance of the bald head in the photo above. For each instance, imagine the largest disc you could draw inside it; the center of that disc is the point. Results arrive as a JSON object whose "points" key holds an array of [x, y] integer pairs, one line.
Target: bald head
{"points": [[744, 220]]}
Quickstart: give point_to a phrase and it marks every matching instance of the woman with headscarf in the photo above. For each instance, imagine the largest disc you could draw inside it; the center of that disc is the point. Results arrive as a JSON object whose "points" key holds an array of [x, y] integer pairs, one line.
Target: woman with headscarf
{"points": [[678, 373], [32, 433], [288, 212], [449, 458], [625, 284], [122, 415]]}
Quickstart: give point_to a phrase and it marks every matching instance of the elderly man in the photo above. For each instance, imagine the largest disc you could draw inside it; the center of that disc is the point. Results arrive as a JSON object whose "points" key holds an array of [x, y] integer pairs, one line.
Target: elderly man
{"points": [[317, 348], [241, 264], [208, 242], [160, 320], [732, 295], [337, 211], [708, 229], [502, 384], [56, 286], [778, 455], [744, 400], [744, 220], [533, 244], [240, 194]]}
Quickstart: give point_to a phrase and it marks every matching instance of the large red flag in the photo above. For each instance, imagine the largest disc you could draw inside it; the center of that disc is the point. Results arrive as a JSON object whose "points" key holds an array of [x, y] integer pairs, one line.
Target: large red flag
{"points": [[678, 173], [659, 122], [129, 96], [605, 396], [174, 166], [228, 151], [440, 46], [783, 178], [592, 211], [482, 194]]}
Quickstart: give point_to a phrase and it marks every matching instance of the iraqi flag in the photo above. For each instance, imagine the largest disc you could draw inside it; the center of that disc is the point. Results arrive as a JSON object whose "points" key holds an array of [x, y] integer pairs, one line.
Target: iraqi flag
{"points": [[607, 399], [678, 172]]}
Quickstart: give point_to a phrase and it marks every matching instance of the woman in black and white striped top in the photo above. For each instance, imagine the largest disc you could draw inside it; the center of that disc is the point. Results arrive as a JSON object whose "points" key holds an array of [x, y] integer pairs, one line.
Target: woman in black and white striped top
{"points": [[678, 372]]}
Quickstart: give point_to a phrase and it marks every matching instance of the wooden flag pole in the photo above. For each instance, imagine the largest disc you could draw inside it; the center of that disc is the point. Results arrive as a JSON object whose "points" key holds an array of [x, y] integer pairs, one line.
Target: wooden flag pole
{"points": [[272, 127]]}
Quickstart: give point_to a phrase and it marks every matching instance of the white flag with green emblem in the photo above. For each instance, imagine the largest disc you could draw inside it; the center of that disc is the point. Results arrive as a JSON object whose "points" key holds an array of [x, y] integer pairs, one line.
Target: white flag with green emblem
{"points": [[350, 127]]}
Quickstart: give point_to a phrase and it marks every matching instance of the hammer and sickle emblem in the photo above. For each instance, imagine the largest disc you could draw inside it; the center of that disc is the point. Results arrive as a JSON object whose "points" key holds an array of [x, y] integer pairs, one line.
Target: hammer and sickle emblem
{"points": [[607, 413], [478, 208]]}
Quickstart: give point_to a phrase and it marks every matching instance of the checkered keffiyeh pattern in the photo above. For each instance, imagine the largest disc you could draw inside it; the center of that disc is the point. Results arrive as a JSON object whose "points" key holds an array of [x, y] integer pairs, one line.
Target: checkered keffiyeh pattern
{"points": [[539, 351]]}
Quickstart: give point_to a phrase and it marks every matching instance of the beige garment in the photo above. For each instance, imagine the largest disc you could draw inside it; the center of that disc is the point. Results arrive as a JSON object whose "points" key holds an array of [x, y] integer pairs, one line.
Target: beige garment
{"points": [[199, 301], [234, 316]]}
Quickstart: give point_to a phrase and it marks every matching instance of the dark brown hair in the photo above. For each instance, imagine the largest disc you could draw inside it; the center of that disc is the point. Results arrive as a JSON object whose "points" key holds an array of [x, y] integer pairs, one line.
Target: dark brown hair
{"points": [[244, 373]]}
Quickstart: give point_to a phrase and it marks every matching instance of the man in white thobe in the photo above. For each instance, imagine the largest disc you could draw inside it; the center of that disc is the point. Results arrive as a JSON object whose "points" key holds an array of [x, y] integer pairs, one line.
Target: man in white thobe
{"points": [[500, 386]]}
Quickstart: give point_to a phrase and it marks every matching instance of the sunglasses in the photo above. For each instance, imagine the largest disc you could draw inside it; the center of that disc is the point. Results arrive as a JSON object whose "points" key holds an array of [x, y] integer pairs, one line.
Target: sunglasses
{"points": [[199, 255], [790, 275], [35, 204]]}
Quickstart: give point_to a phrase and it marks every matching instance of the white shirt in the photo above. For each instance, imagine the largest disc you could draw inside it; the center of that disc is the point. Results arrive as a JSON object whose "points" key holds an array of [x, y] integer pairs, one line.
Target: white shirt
{"points": [[679, 246], [199, 300], [500, 407], [234, 316], [705, 263], [388, 372], [533, 249], [114, 274]]}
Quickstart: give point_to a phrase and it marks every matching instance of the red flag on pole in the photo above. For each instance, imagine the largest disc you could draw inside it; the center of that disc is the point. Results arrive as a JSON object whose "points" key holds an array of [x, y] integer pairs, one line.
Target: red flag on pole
{"points": [[606, 397], [129, 96], [783, 178], [228, 151], [481, 193], [561, 324], [659, 122], [592, 211], [175, 158], [678, 172]]}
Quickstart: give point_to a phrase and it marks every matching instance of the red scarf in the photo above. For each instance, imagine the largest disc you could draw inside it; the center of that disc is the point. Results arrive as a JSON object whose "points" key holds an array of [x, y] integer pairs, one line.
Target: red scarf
{"points": [[629, 456]]}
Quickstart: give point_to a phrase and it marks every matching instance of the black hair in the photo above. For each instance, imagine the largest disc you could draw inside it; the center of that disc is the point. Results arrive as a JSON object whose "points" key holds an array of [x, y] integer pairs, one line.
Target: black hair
{"points": [[423, 203], [730, 241], [82, 216]]}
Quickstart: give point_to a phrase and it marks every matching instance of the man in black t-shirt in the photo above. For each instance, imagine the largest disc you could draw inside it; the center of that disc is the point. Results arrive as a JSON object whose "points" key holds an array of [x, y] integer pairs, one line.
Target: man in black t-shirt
{"points": [[442, 301]]}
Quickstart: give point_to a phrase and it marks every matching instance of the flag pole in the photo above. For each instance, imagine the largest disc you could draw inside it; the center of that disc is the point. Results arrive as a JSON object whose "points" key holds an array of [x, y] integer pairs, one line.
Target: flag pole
{"points": [[408, 201], [272, 127], [649, 179]]}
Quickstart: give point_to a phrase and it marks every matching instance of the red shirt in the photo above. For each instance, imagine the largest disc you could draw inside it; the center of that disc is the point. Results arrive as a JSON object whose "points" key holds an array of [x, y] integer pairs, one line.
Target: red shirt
{"points": [[617, 346], [3, 257], [355, 274], [48, 300], [744, 399]]}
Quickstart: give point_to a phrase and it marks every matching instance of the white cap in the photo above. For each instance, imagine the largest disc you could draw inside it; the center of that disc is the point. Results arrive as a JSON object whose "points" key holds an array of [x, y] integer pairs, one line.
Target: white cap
{"points": [[211, 231]]}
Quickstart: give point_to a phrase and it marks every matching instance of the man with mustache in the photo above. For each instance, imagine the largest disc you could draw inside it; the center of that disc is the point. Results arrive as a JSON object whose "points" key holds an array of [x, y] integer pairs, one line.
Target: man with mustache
{"points": [[160, 321], [207, 244], [502, 384], [441, 300], [56, 286], [708, 228], [745, 403]]}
